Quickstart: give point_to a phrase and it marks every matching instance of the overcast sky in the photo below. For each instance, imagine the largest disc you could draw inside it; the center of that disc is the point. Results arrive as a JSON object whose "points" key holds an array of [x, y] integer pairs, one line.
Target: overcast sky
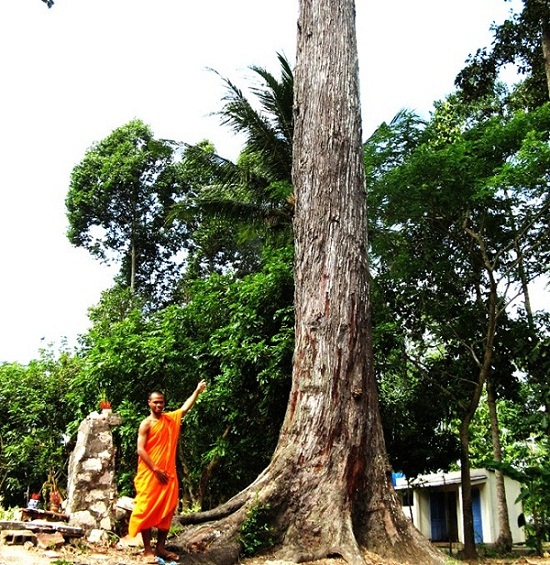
{"points": [[72, 74]]}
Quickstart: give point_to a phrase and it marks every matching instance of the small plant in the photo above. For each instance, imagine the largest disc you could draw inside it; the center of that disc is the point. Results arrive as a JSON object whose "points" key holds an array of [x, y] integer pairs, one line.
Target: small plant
{"points": [[175, 530], [80, 545], [452, 561], [255, 532], [55, 500], [104, 402], [52, 492]]}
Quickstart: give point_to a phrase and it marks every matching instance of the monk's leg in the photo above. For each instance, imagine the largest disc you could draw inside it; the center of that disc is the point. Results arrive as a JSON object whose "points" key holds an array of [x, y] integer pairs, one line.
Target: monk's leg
{"points": [[161, 550], [161, 540], [146, 537]]}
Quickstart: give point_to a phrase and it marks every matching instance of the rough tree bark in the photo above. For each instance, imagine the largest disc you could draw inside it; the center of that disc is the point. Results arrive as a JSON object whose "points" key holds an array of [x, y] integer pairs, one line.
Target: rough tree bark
{"points": [[328, 486]]}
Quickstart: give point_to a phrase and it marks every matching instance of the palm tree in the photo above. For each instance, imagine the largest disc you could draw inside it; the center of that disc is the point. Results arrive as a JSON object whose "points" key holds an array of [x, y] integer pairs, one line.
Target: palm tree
{"points": [[252, 198], [268, 131]]}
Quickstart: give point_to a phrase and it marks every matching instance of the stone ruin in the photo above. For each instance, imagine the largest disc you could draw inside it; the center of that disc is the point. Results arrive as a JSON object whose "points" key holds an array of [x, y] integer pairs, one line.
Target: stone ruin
{"points": [[91, 488], [91, 506]]}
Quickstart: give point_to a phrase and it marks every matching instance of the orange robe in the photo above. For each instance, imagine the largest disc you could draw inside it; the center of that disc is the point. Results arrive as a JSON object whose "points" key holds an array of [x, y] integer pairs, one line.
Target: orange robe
{"points": [[155, 503]]}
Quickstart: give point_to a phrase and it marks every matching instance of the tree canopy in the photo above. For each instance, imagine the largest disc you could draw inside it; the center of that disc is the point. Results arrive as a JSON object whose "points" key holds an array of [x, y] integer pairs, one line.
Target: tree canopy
{"points": [[118, 204]]}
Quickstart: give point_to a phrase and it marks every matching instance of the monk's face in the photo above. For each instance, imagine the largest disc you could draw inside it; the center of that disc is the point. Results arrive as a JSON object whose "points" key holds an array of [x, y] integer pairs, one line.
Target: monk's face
{"points": [[156, 403]]}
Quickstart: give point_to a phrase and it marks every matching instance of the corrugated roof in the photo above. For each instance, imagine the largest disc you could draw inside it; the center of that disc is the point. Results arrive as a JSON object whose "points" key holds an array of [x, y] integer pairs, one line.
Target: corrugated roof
{"points": [[477, 476]]}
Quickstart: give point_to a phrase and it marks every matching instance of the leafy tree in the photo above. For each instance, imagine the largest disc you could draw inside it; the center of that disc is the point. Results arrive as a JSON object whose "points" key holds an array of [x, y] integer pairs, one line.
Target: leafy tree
{"points": [[216, 241], [535, 481], [533, 359], [242, 332], [117, 206], [525, 448], [454, 219], [268, 131], [523, 40], [416, 403]]}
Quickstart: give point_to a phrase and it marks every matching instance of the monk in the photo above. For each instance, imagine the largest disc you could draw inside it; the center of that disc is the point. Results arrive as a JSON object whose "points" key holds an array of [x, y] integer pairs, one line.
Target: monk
{"points": [[156, 481]]}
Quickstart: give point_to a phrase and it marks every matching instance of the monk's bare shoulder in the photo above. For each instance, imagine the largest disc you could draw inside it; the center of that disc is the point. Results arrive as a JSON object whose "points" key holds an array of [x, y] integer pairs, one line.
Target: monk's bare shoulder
{"points": [[145, 426]]}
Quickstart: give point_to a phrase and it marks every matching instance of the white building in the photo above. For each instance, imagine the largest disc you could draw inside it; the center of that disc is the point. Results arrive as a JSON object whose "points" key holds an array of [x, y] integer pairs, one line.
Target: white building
{"points": [[434, 503]]}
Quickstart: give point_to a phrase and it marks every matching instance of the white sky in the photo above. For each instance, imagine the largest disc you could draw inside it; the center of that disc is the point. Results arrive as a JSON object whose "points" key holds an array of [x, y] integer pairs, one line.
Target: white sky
{"points": [[72, 74]]}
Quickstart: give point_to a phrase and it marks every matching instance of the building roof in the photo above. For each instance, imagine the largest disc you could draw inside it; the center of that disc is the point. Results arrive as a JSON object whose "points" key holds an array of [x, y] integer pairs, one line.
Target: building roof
{"points": [[477, 476]]}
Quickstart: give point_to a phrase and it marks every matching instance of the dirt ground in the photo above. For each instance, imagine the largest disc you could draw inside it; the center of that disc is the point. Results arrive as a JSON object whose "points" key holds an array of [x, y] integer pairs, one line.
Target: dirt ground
{"points": [[68, 555], [19, 554]]}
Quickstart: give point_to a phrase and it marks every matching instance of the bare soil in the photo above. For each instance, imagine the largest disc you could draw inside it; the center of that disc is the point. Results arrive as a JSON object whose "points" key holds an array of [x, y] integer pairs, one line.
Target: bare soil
{"points": [[70, 555]]}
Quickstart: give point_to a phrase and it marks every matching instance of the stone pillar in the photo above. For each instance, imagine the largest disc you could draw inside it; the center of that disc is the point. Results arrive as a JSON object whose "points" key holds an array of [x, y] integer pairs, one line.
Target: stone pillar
{"points": [[91, 488]]}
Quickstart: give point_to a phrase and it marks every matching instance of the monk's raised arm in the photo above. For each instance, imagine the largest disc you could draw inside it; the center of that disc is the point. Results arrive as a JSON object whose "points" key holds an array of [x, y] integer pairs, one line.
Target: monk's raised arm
{"points": [[188, 404]]}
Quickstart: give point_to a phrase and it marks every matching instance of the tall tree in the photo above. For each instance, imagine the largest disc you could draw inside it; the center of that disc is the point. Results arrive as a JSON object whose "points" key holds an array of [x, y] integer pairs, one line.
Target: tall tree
{"points": [[327, 489], [447, 238], [118, 202], [504, 539]]}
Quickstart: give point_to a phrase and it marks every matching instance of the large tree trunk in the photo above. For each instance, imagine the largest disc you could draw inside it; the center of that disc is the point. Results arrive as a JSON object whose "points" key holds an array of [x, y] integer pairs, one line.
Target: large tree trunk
{"points": [[327, 490], [504, 540]]}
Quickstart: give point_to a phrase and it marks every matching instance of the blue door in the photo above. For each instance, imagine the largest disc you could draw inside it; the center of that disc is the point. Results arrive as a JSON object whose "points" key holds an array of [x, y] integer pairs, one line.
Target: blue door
{"points": [[438, 516], [476, 511]]}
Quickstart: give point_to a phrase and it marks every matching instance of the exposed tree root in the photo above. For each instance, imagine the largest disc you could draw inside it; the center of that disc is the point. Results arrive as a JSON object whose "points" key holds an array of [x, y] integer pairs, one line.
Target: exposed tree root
{"points": [[306, 524]]}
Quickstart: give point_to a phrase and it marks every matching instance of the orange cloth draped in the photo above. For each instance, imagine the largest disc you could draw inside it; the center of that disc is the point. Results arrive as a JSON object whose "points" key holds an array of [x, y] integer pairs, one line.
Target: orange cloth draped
{"points": [[155, 503]]}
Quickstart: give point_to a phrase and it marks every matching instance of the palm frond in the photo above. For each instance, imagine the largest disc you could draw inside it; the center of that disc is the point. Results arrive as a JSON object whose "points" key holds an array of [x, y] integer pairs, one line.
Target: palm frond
{"points": [[269, 129]]}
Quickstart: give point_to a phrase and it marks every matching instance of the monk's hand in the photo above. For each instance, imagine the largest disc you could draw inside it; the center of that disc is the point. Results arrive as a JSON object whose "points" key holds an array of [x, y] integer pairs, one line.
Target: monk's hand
{"points": [[201, 387], [161, 475]]}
